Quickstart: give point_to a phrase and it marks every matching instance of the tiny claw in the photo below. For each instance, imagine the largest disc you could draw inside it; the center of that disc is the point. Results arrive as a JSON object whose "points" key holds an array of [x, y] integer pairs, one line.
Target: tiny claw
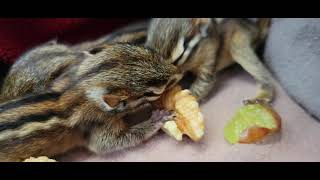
{"points": [[162, 115], [169, 117], [255, 101], [157, 115]]}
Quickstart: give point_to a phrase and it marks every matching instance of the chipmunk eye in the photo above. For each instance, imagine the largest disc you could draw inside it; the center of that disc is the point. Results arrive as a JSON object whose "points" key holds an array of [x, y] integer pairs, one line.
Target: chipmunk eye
{"points": [[122, 105], [171, 83], [156, 82], [149, 94], [96, 50]]}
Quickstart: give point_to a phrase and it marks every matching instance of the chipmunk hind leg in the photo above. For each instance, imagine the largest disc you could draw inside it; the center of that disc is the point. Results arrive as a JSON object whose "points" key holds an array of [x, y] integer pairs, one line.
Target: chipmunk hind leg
{"points": [[243, 53]]}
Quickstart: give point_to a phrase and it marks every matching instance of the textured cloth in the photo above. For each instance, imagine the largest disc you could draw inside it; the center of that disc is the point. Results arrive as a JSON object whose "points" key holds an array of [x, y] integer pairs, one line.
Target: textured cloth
{"points": [[293, 54]]}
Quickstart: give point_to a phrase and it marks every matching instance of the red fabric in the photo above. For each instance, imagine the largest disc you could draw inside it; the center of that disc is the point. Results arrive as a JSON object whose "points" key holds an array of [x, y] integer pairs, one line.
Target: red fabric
{"points": [[18, 35]]}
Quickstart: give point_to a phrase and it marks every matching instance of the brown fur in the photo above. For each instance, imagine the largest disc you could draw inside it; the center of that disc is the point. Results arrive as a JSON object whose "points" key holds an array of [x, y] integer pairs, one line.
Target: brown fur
{"points": [[37, 68], [164, 35], [240, 38], [79, 114], [228, 42]]}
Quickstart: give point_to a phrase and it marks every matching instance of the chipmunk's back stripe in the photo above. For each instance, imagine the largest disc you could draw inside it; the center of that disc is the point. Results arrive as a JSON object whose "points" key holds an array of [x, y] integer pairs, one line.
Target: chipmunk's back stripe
{"points": [[139, 41], [103, 66], [180, 58], [9, 145], [28, 100], [53, 55], [27, 119]]}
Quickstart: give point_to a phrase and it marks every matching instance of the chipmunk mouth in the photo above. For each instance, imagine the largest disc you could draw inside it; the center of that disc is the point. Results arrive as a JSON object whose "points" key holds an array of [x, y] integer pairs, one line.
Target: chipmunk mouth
{"points": [[135, 107], [141, 113]]}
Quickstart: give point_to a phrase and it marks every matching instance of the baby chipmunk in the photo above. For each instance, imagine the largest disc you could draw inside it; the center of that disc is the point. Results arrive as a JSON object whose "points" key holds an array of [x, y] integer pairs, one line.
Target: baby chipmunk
{"points": [[37, 68], [112, 82], [206, 46], [203, 46], [189, 43]]}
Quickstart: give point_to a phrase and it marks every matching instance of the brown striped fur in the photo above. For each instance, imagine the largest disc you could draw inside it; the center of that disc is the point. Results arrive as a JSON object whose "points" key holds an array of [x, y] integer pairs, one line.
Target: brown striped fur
{"points": [[50, 122]]}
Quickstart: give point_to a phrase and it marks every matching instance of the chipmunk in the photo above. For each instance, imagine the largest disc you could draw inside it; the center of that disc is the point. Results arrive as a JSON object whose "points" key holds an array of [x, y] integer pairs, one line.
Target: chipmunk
{"points": [[39, 67], [203, 46], [114, 81], [176, 40], [35, 70], [206, 46], [189, 43]]}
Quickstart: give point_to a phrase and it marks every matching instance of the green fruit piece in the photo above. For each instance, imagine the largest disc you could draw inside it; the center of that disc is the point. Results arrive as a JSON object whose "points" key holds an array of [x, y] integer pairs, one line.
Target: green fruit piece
{"points": [[251, 123]]}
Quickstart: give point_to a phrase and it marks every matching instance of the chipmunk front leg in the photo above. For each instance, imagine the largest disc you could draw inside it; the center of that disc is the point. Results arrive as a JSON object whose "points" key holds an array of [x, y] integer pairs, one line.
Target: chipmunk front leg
{"points": [[206, 76], [203, 84], [105, 139], [243, 53]]}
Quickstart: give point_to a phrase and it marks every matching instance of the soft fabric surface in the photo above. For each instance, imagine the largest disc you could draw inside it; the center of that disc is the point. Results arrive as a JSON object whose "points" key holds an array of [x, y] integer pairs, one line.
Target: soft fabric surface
{"points": [[297, 142], [293, 54]]}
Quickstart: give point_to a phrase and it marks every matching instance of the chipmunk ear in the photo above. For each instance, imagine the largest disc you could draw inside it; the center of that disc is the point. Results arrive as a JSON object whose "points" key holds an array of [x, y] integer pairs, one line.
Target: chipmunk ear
{"points": [[105, 100], [60, 84], [98, 49], [112, 100], [52, 42]]}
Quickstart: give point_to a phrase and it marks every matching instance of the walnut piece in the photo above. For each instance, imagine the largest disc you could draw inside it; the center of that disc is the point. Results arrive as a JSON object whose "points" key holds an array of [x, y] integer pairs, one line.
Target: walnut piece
{"points": [[188, 120], [39, 159]]}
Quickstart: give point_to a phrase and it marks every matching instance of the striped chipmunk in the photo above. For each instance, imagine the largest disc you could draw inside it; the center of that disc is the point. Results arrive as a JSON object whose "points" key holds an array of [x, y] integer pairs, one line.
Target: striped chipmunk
{"points": [[80, 99], [202, 46], [205, 46]]}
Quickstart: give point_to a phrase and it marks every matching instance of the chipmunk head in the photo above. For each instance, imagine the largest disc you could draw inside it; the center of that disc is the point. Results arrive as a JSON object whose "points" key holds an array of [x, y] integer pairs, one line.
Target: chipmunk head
{"points": [[123, 76], [175, 38]]}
